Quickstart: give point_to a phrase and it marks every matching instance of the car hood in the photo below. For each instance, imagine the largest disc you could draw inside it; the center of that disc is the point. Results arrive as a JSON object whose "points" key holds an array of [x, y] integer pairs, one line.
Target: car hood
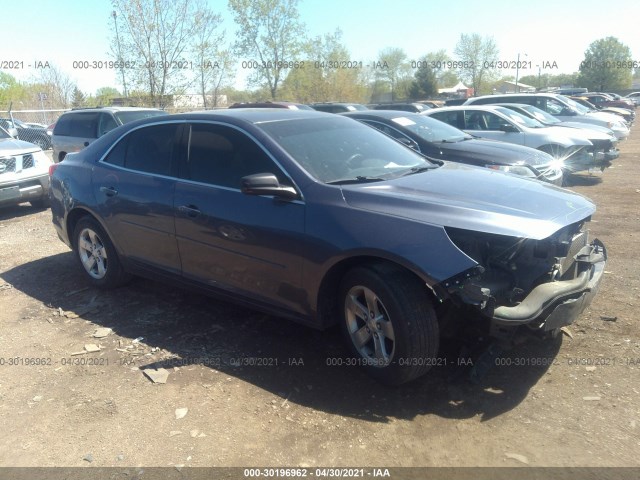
{"points": [[472, 198], [9, 147], [561, 135], [607, 132], [489, 152], [609, 117]]}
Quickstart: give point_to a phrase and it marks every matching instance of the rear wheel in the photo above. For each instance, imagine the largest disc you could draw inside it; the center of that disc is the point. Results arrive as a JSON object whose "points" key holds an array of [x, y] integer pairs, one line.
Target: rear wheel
{"points": [[97, 255], [389, 323]]}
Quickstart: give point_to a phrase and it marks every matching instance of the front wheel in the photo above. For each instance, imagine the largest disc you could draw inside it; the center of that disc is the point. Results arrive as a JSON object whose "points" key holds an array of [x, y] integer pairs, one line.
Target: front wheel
{"points": [[97, 255], [389, 323]]}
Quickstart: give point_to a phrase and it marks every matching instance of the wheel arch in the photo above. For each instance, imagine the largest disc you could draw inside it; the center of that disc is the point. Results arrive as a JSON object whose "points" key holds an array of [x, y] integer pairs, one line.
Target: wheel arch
{"points": [[74, 217], [327, 300]]}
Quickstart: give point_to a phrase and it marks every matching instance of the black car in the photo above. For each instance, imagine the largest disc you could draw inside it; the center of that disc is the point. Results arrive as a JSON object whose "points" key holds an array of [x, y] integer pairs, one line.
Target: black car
{"points": [[35, 135], [269, 104], [405, 107], [337, 107], [321, 219], [441, 141]]}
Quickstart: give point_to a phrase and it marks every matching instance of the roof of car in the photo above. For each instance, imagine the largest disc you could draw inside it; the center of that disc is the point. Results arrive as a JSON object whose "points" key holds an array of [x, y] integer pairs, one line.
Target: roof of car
{"points": [[389, 114], [492, 106], [252, 115], [112, 109], [270, 104]]}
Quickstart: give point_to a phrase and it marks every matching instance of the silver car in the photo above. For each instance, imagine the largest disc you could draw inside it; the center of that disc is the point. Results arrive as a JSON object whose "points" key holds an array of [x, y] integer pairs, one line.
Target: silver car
{"points": [[503, 124], [76, 129], [24, 172], [560, 107]]}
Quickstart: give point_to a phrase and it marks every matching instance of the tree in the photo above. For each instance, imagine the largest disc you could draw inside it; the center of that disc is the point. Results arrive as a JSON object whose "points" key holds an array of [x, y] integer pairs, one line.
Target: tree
{"points": [[425, 82], [270, 35], [78, 98], [606, 66], [392, 68], [476, 54], [207, 50], [57, 86], [104, 95], [325, 74], [441, 64], [156, 33], [11, 90]]}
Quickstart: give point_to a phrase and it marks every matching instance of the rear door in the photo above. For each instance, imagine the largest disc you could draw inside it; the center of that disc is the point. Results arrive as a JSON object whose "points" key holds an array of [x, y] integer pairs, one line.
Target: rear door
{"points": [[251, 245], [134, 186]]}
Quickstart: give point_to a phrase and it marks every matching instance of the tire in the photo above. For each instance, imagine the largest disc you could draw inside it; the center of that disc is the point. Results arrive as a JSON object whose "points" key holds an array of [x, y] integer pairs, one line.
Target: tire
{"points": [[97, 256], [399, 339]]}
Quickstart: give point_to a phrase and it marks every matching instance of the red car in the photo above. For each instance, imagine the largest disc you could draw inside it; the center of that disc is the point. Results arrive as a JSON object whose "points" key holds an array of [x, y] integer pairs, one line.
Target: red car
{"points": [[604, 100]]}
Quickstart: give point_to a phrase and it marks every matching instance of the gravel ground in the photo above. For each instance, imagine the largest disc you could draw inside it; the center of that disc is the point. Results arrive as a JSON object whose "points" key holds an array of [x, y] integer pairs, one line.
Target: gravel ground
{"points": [[260, 391]]}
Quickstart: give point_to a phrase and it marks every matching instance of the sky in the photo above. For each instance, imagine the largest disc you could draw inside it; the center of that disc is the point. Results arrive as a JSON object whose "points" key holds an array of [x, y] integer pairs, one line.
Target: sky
{"points": [[541, 32]]}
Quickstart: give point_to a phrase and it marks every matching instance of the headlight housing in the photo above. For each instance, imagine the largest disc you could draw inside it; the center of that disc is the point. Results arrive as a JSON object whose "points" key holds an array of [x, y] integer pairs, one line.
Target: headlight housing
{"points": [[41, 159], [522, 170]]}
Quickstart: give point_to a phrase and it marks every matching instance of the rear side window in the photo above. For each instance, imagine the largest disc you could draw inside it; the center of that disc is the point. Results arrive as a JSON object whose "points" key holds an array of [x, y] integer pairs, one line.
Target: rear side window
{"points": [[107, 123], [148, 149], [453, 118], [84, 125]]}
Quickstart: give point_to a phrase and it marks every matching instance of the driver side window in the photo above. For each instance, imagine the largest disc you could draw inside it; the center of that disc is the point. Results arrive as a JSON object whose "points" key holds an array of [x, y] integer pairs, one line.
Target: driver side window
{"points": [[220, 155]]}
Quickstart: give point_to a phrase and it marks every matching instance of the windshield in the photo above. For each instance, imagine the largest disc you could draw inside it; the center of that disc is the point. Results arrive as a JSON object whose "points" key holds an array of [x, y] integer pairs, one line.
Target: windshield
{"points": [[430, 129], [520, 119], [126, 117], [573, 104], [3, 133], [541, 115], [341, 149]]}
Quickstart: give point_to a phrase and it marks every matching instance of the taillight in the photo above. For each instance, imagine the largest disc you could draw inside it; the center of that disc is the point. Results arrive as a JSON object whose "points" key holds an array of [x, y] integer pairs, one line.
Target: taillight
{"points": [[52, 168]]}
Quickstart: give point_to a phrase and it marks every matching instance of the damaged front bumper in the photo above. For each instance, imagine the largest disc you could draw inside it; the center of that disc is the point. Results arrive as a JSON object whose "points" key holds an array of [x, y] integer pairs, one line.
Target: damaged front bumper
{"points": [[556, 304]]}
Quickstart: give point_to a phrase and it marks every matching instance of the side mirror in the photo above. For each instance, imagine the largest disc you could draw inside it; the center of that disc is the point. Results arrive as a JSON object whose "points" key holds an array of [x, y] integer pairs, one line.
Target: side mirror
{"points": [[508, 128], [266, 184], [13, 131]]}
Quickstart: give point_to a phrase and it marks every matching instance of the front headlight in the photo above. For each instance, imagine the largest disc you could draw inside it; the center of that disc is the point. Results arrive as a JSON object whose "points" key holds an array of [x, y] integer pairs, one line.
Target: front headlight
{"points": [[41, 159], [522, 170]]}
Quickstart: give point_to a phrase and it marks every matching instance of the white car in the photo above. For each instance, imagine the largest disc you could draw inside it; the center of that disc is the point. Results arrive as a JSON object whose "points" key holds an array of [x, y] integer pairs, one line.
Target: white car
{"points": [[500, 123], [24, 172], [634, 97], [561, 107]]}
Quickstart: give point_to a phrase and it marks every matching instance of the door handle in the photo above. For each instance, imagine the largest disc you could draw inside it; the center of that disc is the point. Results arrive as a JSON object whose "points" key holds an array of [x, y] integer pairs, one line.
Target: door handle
{"points": [[190, 210], [109, 191]]}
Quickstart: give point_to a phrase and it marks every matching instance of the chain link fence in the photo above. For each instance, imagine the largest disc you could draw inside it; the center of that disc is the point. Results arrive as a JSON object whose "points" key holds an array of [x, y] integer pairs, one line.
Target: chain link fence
{"points": [[32, 126]]}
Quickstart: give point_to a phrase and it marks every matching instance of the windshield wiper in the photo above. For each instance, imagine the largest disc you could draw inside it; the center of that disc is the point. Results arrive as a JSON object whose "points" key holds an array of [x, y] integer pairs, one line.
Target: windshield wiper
{"points": [[358, 179], [415, 170]]}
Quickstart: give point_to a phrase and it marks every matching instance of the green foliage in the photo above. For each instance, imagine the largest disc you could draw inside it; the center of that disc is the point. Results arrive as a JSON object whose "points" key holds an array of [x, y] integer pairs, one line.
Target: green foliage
{"points": [[323, 74], [393, 70], [78, 98], [476, 53], [425, 83], [270, 36], [605, 66]]}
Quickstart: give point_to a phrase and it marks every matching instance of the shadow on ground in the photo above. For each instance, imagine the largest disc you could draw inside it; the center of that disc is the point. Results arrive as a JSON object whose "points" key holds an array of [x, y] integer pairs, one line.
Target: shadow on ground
{"points": [[225, 337], [10, 212]]}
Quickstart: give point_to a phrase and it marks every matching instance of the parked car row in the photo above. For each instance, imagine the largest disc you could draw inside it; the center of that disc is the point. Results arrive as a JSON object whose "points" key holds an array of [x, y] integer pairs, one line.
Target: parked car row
{"points": [[31, 133], [322, 219]]}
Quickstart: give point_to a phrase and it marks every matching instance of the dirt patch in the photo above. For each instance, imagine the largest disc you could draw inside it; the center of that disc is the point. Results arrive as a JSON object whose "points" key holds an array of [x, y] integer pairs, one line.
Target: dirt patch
{"points": [[260, 391]]}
